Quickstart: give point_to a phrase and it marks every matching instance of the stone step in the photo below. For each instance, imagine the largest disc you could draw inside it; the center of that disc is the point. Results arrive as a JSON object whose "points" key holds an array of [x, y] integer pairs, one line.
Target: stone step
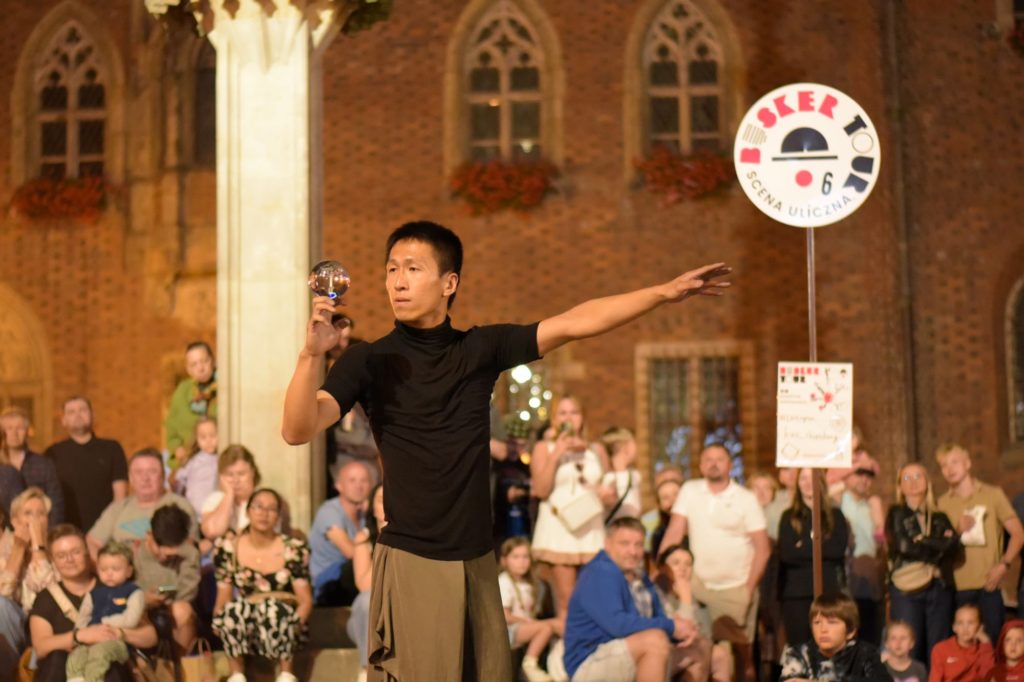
{"points": [[311, 665]]}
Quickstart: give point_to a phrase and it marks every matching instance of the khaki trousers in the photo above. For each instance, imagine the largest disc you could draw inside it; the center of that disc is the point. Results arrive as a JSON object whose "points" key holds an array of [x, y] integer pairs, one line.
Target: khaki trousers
{"points": [[436, 621]]}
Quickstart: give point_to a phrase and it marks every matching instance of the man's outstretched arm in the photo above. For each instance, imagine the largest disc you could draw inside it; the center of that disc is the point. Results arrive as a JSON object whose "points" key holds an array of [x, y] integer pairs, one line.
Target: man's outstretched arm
{"points": [[600, 315], [308, 410]]}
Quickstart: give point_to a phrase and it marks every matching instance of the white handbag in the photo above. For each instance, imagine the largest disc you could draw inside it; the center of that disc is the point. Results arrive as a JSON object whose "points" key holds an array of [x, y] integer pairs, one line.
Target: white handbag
{"points": [[579, 510]]}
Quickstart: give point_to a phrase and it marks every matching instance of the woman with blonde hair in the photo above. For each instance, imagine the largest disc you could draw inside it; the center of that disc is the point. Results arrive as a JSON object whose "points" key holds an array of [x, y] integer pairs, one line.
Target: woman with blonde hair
{"points": [[565, 473], [226, 508], [922, 545]]}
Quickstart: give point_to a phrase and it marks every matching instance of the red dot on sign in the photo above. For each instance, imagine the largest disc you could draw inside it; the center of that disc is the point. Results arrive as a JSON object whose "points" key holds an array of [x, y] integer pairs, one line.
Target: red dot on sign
{"points": [[803, 178]]}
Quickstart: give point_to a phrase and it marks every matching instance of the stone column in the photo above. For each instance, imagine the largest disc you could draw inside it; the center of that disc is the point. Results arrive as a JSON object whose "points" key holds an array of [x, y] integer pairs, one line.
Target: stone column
{"points": [[268, 219]]}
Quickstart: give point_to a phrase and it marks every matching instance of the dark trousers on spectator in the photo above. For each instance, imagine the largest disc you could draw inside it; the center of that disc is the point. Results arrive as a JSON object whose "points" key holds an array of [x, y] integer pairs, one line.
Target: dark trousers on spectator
{"points": [[993, 611], [870, 629], [795, 622], [930, 614]]}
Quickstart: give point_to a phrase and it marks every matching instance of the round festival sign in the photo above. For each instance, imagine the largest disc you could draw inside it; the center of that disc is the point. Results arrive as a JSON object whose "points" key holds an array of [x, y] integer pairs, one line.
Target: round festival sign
{"points": [[807, 155]]}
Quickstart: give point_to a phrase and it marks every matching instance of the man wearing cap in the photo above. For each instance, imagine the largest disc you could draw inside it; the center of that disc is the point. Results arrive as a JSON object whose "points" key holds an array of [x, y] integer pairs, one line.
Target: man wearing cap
{"points": [[864, 513]]}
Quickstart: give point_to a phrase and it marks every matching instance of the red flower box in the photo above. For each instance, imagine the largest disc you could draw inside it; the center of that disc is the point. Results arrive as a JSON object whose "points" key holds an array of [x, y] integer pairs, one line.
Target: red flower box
{"points": [[47, 198], [683, 177], [495, 185]]}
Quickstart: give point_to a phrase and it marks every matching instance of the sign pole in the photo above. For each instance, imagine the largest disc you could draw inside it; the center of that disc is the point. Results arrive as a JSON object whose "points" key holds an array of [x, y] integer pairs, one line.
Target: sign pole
{"points": [[812, 335]]}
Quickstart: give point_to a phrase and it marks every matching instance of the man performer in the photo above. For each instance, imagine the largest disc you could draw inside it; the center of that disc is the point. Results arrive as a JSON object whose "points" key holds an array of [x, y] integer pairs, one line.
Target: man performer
{"points": [[435, 611]]}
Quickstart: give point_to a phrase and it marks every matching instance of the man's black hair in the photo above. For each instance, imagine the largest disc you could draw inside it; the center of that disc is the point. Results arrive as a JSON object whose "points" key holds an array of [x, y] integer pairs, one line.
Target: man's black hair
{"points": [[446, 244], [170, 525], [199, 344]]}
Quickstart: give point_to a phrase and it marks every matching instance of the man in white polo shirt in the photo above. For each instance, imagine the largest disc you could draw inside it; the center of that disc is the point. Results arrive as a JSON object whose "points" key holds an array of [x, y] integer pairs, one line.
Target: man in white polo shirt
{"points": [[727, 538]]}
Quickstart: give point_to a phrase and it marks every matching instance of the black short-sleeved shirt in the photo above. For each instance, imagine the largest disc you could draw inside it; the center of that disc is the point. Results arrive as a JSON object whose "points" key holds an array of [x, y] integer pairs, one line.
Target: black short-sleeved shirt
{"points": [[86, 474], [51, 668], [427, 393]]}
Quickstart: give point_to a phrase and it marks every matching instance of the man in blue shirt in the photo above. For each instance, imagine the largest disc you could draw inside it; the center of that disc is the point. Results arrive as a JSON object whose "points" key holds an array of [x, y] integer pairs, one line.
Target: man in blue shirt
{"points": [[616, 628], [332, 536]]}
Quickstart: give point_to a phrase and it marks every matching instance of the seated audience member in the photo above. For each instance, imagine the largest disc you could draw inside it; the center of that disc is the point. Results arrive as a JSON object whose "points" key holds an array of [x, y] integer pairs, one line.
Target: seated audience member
{"points": [[676, 591], [1010, 653], [53, 616], [332, 535], [115, 601], [263, 593], [25, 570], [167, 571], [920, 538], [834, 653], [899, 641], [616, 629], [520, 598], [196, 475], [194, 397], [35, 469], [358, 626], [796, 573], [967, 656], [225, 509], [92, 470], [127, 520], [624, 477], [667, 483]]}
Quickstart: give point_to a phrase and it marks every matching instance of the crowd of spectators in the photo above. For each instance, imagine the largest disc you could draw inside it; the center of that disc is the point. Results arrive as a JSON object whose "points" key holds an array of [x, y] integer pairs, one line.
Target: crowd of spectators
{"points": [[104, 555]]}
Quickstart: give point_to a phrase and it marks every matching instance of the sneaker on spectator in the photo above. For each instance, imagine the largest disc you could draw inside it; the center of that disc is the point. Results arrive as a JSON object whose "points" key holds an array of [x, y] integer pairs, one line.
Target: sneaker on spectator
{"points": [[533, 671], [286, 677], [236, 677]]}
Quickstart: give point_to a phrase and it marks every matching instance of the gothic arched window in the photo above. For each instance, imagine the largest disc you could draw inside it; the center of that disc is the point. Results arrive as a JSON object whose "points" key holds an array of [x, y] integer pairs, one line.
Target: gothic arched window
{"points": [[71, 103], [1015, 361]]}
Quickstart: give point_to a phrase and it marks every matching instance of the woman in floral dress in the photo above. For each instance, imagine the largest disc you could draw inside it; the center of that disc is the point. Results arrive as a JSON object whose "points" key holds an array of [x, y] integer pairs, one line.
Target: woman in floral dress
{"points": [[264, 597]]}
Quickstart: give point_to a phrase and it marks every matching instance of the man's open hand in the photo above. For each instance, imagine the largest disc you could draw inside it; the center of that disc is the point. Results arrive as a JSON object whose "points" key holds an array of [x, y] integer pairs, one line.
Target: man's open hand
{"points": [[699, 282]]}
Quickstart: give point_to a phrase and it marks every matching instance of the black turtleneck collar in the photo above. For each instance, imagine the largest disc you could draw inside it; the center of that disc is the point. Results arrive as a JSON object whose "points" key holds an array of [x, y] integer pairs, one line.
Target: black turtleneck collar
{"points": [[434, 337]]}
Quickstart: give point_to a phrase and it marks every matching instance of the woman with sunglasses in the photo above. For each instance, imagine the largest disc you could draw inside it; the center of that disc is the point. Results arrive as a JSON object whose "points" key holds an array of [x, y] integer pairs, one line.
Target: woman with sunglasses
{"points": [[269, 571], [922, 546], [564, 469]]}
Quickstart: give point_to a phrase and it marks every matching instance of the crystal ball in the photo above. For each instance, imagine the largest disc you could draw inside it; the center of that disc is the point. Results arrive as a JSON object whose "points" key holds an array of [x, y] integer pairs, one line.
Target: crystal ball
{"points": [[329, 278]]}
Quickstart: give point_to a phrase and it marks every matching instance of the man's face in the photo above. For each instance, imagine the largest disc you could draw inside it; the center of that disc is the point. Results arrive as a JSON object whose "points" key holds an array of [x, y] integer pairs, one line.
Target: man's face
{"points": [[860, 483], [353, 483], [830, 634], [146, 476], [625, 546], [77, 417], [15, 428], [966, 626], [344, 335], [199, 364], [715, 463], [955, 466], [417, 289]]}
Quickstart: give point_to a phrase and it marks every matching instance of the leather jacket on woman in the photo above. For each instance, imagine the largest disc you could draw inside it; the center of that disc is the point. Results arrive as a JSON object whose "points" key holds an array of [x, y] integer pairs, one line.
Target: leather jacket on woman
{"points": [[907, 543]]}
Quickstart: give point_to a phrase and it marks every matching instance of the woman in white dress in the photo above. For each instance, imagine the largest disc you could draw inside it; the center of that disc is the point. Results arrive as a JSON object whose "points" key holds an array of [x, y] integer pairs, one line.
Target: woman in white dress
{"points": [[566, 476]]}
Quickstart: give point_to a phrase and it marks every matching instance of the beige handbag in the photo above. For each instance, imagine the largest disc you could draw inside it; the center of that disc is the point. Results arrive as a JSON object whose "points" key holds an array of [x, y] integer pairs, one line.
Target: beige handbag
{"points": [[913, 576], [580, 510]]}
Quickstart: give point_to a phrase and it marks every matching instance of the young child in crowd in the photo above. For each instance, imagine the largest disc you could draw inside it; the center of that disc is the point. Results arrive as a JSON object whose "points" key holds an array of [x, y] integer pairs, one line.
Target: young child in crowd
{"points": [[115, 601], [624, 477], [967, 656], [196, 476], [520, 597], [899, 641], [834, 654], [194, 397], [1010, 654]]}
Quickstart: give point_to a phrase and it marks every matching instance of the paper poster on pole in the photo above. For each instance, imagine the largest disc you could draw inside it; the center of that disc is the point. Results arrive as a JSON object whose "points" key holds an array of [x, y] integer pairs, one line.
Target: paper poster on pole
{"points": [[814, 414]]}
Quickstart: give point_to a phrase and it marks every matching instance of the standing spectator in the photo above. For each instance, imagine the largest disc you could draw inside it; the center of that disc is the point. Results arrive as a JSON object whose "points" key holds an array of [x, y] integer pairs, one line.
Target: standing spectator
{"points": [[796, 572], [194, 397], [332, 536], [52, 621], [196, 475], [128, 520], [730, 549], [921, 536], [91, 470], [167, 571], [562, 471], [782, 501], [617, 630], [980, 512], [764, 486], [866, 519], [623, 476], [263, 593], [967, 656], [899, 641], [25, 570], [667, 483], [35, 469]]}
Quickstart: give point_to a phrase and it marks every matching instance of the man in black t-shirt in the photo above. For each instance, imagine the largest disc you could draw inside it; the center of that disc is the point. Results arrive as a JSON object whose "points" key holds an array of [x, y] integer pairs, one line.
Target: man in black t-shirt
{"points": [[92, 471], [426, 389]]}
